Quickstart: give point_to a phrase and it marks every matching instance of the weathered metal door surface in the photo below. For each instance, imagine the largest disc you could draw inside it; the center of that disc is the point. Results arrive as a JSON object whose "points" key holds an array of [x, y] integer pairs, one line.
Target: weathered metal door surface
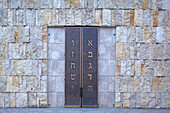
{"points": [[81, 67]]}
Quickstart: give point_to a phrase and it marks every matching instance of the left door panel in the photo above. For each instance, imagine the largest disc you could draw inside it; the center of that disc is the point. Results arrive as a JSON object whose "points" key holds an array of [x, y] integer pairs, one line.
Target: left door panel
{"points": [[72, 67]]}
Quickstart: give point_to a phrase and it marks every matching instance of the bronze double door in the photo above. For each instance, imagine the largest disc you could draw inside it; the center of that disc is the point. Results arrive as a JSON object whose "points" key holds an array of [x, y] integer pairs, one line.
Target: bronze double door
{"points": [[81, 66]]}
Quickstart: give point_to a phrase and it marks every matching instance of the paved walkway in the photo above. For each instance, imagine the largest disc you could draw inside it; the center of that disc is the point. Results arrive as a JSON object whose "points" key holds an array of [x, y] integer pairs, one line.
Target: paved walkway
{"points": [[81, 110]]}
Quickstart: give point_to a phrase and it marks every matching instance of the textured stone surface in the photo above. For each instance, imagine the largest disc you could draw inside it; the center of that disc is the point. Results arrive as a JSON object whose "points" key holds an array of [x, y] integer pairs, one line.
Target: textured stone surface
{"points": [[21, 100]]}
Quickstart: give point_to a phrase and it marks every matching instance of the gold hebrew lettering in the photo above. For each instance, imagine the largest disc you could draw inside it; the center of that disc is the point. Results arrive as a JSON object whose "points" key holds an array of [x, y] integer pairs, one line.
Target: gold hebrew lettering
{"points": [[90, 54], [90, 66], [90, 75], [72, 42], [73, 76], [90, 43], [90, 88], [72, 54], [73, 65]]}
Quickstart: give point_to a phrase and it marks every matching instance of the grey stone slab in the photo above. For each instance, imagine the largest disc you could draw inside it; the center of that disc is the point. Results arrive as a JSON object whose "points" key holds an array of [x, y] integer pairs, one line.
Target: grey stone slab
{"points": [[52, 84], [103, 84], [59, 35], [111, 67], [60, 84], [58, 51], [58, 67], [107, 35], [104, 51], [102, 67], [60, 99]]}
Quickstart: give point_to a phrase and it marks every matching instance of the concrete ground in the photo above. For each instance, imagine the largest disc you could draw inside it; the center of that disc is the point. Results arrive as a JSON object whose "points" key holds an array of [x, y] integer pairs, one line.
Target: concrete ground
{"points": [[81, 110]]}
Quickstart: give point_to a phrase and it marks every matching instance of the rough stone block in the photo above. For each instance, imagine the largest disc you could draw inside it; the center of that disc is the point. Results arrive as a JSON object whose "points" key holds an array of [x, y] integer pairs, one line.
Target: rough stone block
{"points": [[37, 4], [44, 17], [152, 100], [12, 99], [121, 34], [123, 84], [167, 51], [126, 17], [69, 16], [163, 18], [144, 48], [144, 100], [166, 70], [3, 51], [20, 67], [98, 17], [5, 67], [90, 16], [3, 83], [20, 17], [27, 3], [157, 51], [126, 100], [16, 3], [132, 16], [6, 100], [138, 17], [106, 17], [126, 51], [165, 4], [42, 100], [113, 18], [118, 100], [118, 68], [21, 100], [119, 17], [136, 84], [154, 17], [160, 35], [13, 84], [30, 17], [61, 17], [119, 51], [58, 3], [139, 34], [44, 84], [46, 3], [77, 17], [146, 17], [32, 100], [54, 17]]}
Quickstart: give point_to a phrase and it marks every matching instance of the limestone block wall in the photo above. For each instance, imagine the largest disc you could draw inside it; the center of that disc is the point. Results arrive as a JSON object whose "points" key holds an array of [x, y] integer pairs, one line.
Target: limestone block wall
{"points": [[142, 48]]}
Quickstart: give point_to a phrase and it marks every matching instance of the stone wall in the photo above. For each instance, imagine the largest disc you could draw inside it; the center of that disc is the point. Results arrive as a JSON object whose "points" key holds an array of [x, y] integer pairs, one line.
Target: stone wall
{"points": [[142, 48]]}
